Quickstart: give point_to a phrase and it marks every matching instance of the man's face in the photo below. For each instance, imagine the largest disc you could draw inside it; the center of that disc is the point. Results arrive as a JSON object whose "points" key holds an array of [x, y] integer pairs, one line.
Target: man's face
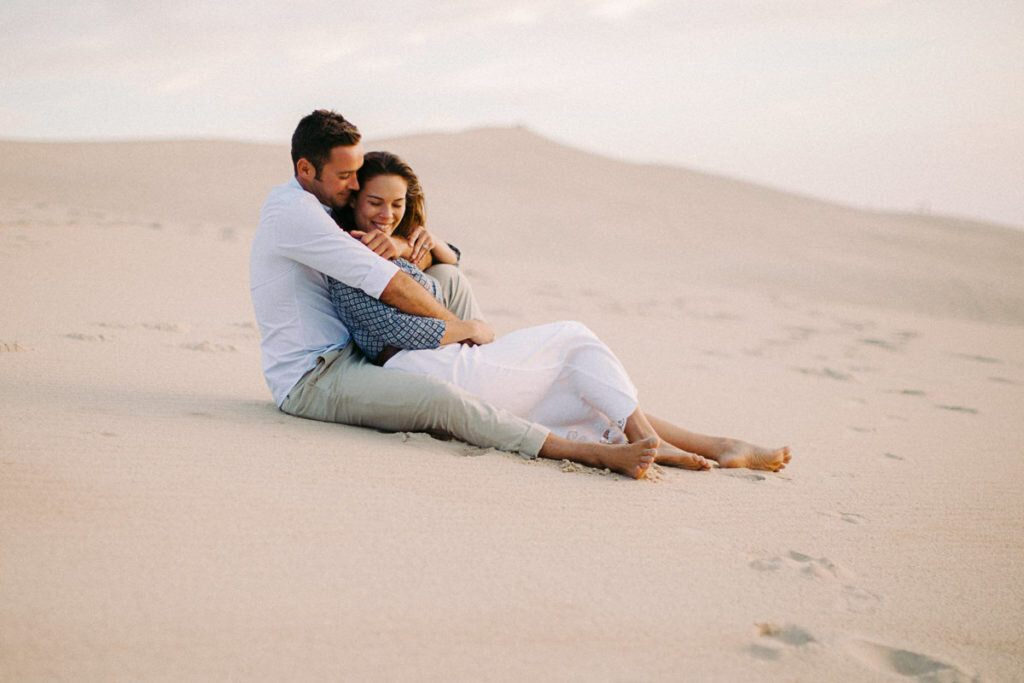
{"points": [[337, 179]]}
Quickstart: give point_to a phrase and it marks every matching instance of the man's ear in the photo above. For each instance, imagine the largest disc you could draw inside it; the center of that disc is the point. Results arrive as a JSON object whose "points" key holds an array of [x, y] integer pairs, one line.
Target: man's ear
{"points": [[305, 169]]}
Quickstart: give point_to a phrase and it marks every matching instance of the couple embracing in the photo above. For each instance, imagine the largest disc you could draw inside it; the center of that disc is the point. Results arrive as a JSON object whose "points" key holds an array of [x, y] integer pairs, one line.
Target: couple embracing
{"points": [[365, 319]]}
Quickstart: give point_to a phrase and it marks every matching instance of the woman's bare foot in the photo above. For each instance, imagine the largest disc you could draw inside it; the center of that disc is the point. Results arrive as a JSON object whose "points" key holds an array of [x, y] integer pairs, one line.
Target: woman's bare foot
{"points": [[742, 454], [673, 457]]}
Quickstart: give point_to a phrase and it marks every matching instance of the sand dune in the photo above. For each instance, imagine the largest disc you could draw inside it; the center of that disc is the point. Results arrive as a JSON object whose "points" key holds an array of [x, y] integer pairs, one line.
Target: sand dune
{"points": [[510, 191], [160, 519]]}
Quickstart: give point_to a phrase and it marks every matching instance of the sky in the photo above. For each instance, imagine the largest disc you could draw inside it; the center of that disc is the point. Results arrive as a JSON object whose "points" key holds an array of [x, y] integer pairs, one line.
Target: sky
{"points": [[905, 105]]}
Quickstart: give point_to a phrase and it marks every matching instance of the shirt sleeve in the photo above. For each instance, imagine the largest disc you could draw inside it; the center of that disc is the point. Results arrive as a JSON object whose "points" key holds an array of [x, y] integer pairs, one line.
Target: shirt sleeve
{"points": [[375, 325], [306, 234], [458, 253]]}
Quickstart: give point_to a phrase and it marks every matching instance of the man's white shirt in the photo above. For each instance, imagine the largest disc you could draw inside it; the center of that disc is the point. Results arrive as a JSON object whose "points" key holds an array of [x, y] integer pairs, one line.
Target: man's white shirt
{"points": [[297, 244]]}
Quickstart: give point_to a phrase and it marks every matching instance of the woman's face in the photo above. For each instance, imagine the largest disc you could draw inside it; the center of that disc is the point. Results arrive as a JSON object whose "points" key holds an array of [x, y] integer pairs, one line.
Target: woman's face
{"points": [[380, 203]]}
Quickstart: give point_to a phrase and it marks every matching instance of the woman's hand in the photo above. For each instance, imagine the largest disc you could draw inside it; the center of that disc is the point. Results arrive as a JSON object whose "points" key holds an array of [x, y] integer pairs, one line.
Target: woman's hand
{"points": [[420, 242], [426, 249]]}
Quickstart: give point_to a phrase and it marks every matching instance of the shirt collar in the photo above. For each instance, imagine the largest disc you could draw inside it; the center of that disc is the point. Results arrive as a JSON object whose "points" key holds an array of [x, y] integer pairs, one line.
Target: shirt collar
{"points": [[294, 182]]}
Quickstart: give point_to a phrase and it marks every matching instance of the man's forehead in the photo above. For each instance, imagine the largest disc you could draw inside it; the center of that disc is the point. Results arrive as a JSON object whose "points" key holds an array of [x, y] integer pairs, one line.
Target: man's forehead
{"points": [[347, 157]]}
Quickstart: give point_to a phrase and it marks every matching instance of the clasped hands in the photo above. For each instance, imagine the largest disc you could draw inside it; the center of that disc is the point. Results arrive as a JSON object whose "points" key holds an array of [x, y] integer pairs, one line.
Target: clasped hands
{"points": [[413, 248]]}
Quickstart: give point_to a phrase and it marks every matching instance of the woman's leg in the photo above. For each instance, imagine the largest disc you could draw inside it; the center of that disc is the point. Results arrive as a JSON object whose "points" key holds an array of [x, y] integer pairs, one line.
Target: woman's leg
{"points": [[458, 292], [725, 451], [639, 427], [597, 377], [590, 392]]}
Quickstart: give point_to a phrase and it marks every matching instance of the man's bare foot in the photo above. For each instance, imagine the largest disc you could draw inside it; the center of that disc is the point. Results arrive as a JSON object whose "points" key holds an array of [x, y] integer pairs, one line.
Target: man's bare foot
{"points": [[742, 454], [673, 457], [630, 459]]}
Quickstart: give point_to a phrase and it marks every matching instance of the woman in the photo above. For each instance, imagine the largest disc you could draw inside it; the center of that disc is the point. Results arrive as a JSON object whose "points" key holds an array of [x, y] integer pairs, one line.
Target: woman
{"points": [[559, 375]]}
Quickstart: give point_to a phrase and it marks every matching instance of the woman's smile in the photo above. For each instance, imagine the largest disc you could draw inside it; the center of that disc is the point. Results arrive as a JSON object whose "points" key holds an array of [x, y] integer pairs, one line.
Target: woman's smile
{"points": [[380, 204]]}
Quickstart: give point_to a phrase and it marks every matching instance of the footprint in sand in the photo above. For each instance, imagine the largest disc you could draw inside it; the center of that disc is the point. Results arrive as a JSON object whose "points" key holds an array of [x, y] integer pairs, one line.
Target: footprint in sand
{"points": [[828, 373], [799, 333], [959, 409], [769, 564], [159, 327], [81, 336], [879, 343], [855, 325], [749, 476], [788, 634], [815, 567], [165, 327], [848, 597], [858, 600], [977, 358], [897, 341], [848, 517], [891, 660], [209, 347], [7, 347], [774, 640]]}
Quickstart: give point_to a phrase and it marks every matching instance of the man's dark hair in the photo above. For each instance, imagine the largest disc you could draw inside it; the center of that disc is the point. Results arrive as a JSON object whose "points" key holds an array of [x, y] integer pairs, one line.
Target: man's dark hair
{"points": [[317, 134]]}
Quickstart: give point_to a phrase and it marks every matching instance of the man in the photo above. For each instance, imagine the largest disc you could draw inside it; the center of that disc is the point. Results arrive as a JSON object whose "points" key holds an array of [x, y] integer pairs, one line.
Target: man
{"points": [[314, 371], [311, 367]]}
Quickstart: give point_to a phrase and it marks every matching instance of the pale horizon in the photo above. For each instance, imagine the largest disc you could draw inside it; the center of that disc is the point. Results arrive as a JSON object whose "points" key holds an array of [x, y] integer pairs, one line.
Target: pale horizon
{"points": [[881, 105]]}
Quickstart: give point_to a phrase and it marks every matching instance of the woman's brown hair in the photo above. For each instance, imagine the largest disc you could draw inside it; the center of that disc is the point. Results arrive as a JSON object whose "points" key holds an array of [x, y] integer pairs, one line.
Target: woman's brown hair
{"points": [[385, 163]]}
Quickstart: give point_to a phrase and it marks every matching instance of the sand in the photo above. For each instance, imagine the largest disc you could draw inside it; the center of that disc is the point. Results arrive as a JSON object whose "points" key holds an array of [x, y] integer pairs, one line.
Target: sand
{"points": [[161, 520]]}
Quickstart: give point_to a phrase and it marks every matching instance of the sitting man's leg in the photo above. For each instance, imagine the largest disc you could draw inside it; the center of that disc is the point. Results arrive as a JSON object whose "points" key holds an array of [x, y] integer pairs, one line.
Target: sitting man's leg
{"points": [[458, 293], [345, 387]]}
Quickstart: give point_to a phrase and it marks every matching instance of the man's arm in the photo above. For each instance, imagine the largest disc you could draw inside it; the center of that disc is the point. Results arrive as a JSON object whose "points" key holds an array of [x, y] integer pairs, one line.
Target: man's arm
{"points": [[409, 296], [306, 234], [375, 325]]}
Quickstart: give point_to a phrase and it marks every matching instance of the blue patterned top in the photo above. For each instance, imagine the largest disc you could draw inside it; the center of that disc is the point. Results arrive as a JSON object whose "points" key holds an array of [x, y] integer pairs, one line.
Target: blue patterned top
{"points": [[375, 325]]}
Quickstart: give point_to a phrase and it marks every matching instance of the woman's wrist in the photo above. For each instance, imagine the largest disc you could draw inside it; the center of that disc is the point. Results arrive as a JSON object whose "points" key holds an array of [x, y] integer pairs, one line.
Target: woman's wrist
{"points": [[444, 254]]}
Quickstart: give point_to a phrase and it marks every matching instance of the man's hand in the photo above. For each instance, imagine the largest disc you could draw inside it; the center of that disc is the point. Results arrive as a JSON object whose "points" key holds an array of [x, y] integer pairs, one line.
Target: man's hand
{"points": [[482, 332], [379, 243], [421, 242], [470, 332]]}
